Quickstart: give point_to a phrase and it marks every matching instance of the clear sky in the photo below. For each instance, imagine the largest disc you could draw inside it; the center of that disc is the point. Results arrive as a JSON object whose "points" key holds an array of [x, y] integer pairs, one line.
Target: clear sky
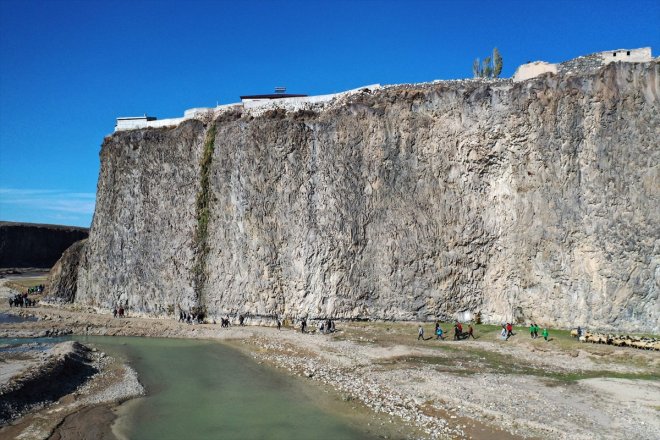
{"points": [[69, 68]]}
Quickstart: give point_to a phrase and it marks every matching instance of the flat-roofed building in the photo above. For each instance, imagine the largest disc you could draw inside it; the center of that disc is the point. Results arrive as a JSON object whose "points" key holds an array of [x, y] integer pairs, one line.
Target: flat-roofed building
{"points": [[131, 122]]}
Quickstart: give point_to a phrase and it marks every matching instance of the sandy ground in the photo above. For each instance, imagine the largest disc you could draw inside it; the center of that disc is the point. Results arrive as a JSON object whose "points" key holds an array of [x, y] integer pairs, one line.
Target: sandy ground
{"points": [[483, 389], [13, 366]]}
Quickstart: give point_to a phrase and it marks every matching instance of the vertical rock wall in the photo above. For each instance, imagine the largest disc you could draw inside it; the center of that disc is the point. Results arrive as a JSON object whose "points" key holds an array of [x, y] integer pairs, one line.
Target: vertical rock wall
{"points": [[142, 250], [537, 200]]}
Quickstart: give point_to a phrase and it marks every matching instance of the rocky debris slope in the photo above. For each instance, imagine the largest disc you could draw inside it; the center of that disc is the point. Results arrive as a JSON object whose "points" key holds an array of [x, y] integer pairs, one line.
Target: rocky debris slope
{"points": [[35, 245], [534, 201]]}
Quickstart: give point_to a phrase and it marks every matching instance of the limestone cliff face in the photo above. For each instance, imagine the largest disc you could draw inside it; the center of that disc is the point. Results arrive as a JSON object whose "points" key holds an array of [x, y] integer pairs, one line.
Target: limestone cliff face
{"points": [[531, 201]]}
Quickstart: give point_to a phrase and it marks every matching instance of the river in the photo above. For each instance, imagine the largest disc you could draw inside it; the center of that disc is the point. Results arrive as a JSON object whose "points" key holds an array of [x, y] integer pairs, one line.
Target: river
{"points": [[207, 390]]}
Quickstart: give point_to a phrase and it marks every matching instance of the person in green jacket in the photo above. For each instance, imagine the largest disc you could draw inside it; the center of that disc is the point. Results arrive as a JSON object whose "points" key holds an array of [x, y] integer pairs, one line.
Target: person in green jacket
{"points": [[545, 334]]}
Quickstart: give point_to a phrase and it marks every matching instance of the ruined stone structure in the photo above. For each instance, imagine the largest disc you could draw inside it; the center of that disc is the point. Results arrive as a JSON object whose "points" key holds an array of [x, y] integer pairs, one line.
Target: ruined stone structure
{"points": [[535, 200], [584, 64]]}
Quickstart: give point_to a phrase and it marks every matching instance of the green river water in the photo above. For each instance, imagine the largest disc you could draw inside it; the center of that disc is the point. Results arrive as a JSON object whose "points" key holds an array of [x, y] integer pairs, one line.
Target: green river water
{"points": [[200, 389]]}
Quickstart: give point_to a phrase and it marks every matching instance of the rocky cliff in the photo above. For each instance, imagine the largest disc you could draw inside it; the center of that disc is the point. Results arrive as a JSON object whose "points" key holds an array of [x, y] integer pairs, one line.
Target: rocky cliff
{"points": [[62, 283], [536, 200], [35, 245]]}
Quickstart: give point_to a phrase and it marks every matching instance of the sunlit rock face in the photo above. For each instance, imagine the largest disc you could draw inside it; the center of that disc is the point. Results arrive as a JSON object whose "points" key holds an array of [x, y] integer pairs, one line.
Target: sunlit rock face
{"points": [[530, 201]]}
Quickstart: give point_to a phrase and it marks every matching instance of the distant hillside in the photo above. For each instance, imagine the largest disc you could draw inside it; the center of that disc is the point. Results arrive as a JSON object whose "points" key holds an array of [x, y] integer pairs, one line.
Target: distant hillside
{"points": [[35, 245]]}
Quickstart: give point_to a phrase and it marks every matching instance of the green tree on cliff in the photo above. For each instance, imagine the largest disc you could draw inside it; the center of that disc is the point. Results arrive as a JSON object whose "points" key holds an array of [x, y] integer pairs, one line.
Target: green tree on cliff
{"points": [[489, 67], [476, 68], [497, 63]]}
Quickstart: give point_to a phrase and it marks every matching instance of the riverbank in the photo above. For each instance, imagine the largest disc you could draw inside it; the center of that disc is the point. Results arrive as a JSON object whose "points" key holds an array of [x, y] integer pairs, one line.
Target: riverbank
{"points": [[61, 391], [483, 388]]}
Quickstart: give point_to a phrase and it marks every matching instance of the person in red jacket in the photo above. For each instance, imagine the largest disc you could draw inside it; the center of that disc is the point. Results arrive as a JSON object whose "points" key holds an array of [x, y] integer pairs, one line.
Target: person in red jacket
{"points": [[509, 330]]}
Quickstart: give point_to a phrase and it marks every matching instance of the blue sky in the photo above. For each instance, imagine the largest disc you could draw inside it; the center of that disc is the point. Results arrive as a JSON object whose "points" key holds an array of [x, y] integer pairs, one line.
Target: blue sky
{"points": [[69, 68]]}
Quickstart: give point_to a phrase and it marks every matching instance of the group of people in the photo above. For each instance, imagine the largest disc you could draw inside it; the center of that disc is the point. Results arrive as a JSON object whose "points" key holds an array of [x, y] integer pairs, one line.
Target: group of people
{"points": [[459, 334], [327, 326], [21, 300], [226, 322], [191, 317], [534, 331], [118, 312], [36, 289], [507, 331]]}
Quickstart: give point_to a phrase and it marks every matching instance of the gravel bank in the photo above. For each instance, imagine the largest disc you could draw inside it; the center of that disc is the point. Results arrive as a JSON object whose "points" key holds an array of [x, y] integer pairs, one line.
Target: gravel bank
{"points": [[483, 389]]}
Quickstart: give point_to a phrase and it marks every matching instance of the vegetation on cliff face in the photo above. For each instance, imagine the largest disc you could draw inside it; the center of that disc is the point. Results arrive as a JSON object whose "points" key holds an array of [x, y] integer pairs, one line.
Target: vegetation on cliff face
{"points": [[203, 212]]}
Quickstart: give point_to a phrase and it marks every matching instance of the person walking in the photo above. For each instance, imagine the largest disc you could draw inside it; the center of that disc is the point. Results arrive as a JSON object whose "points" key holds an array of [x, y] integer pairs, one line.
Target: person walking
{"points": [[509, 330], [420, 333], [457, 332], [471, 331], [545, 334]]}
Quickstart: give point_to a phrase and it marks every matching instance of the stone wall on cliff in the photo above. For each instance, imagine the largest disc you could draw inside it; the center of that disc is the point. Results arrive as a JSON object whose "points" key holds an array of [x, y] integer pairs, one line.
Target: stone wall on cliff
{"points": [[529, 201], [25, 245]]}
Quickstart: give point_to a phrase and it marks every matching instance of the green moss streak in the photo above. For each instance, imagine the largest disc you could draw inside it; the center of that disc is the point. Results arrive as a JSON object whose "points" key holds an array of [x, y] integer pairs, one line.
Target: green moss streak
{"points": [[203, 213]]}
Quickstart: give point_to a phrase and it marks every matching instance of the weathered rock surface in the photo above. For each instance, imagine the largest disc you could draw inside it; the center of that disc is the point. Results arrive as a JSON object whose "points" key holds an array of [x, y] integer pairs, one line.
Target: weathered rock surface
{"points": [[35, 245], [530, 201], [63, 276]]}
